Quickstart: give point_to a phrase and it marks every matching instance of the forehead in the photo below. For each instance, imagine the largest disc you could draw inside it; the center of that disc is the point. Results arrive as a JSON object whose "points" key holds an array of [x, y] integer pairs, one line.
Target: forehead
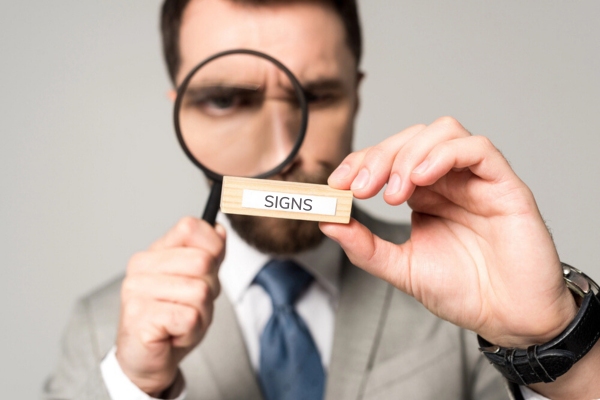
{"points": [[308, 37]]}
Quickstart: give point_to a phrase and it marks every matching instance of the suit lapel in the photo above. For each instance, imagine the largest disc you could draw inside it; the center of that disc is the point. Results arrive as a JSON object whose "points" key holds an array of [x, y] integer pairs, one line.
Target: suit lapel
{"points": [[220, 365], [364, 301], [363, 306]]}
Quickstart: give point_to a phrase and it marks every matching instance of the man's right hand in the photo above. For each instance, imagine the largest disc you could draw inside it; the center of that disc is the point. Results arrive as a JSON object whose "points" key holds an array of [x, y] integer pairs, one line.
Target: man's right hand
{"points": [[167, 302]]}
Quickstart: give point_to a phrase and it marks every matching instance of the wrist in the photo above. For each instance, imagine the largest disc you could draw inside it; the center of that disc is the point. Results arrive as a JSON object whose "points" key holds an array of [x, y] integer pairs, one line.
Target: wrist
{"points": [[119, 386], [565, 314], [580, 382], [545, 362], [154, 383], [175, 389]]}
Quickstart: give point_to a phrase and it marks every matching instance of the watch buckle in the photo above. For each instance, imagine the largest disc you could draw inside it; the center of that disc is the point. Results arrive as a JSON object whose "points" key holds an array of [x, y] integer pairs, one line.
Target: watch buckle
{"points": [[490, 349], [578, 282]]}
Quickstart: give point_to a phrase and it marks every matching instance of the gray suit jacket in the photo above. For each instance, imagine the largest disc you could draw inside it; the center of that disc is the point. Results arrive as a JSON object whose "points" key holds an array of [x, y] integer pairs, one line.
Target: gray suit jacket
{"points": [[386, 346]]}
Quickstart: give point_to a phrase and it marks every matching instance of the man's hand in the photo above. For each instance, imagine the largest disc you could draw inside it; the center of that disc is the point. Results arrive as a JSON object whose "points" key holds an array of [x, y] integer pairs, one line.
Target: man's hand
{"points": [[480, 255], [167, 302]]}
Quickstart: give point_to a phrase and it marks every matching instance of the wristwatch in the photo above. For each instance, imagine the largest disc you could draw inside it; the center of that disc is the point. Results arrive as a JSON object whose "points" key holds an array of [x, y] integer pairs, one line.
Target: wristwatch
{"points": [[546, 362]]}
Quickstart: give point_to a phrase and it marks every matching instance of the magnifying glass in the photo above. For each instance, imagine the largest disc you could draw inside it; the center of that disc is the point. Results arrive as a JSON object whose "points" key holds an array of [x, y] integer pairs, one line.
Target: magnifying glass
{"points": [[239, 113]]}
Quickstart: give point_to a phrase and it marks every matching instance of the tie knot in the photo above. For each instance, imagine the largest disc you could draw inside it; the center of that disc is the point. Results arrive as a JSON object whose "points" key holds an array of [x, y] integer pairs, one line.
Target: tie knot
{"points": [[284, 281]]}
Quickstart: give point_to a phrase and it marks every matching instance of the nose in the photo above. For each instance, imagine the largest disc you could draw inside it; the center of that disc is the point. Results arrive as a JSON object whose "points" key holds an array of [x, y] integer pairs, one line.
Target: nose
{"points": [[285, 128], [283, 131]]}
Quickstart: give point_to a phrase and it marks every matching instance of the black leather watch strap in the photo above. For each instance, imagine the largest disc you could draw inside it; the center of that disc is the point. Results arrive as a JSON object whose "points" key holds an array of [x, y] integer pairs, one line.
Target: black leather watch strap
{"points": [[546, 362]]}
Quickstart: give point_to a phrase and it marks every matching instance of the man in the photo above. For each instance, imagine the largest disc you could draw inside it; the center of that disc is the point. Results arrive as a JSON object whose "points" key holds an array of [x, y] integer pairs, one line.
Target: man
{"points": [[478, 255]]}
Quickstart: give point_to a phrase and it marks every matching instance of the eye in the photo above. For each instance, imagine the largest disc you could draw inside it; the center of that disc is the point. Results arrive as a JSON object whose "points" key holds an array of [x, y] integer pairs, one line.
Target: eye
{"points": [[318, 98], [222, 101]]}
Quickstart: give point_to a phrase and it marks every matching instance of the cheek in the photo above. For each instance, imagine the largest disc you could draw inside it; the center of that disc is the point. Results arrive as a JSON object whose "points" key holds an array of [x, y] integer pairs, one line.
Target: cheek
{"points": [[329, 134]]}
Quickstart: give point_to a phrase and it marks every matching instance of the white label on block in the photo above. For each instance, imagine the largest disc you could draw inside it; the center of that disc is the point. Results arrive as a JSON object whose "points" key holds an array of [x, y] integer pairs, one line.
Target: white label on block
{"points": [[289, 202]]}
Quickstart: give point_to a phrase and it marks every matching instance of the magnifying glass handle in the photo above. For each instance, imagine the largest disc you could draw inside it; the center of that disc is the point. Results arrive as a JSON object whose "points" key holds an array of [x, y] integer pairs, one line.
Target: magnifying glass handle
{"points": [[214, 201]]}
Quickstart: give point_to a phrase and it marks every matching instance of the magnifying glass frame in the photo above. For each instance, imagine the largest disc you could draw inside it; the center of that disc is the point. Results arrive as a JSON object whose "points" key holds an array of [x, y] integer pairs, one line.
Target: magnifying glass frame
{"points": [[212, 206]]}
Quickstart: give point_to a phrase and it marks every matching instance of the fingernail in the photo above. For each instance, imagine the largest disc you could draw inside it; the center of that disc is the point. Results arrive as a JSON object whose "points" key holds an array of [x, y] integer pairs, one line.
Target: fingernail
{"points": [[340, 172], [394, 184], [361, 180], [421, 167]]}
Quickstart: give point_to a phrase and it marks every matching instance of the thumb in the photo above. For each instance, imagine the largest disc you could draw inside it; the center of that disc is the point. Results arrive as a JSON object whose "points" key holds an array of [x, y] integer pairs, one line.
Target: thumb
{"points": [[368, 251]]}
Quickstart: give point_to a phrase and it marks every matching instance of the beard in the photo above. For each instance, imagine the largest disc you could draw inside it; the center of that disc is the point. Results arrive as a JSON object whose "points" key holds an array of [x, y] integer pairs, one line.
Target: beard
{"points": [[277, 236]]}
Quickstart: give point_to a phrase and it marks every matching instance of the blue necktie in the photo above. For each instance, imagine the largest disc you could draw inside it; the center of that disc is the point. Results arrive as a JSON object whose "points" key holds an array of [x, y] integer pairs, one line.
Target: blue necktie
{"points": [[290, 365]]}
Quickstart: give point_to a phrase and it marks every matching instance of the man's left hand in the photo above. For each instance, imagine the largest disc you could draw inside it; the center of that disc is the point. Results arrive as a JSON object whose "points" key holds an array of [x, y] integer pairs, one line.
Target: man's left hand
{"points": [[479, 255]]}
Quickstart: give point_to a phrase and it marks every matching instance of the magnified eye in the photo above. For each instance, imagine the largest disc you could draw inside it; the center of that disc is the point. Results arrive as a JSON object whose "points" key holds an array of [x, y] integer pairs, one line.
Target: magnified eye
{"points": [[222, 102], [219, 105], [217, 101]]}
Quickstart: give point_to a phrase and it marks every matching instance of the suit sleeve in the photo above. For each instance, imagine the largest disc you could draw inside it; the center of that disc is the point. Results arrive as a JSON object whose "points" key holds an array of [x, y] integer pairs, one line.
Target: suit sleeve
{"points": [[78, 374]]}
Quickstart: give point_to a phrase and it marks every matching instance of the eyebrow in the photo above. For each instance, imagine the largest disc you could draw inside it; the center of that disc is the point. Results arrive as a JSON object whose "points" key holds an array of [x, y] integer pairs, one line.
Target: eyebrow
{"points": [[323, 84], [199, 88], [200, 92]]}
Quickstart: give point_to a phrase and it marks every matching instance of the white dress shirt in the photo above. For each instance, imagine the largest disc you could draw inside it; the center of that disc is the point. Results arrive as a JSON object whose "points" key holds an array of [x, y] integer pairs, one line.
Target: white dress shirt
{"points": [[253, 306]]}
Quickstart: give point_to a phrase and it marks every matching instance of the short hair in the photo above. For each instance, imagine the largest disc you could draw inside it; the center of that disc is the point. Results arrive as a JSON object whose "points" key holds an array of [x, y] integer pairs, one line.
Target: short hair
{"points": [[172, 15]]}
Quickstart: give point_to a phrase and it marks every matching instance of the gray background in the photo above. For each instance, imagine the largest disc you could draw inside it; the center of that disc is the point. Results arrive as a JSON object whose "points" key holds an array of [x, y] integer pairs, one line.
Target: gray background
{"points": [[90, 170]]}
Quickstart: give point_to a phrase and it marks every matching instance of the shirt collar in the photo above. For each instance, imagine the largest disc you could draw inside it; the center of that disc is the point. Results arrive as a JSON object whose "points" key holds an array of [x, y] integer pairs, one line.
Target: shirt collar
{"points": [[242, 262]]}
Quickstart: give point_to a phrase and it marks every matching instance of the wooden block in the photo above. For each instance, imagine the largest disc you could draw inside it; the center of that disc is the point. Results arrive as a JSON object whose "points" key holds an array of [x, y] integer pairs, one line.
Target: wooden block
{"points": [[292, 200]]}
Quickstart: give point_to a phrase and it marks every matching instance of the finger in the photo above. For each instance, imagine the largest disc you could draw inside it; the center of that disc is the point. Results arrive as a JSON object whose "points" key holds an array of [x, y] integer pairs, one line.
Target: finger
{"points": [[427, 201], [378, 257], [374, 171], [342, 177], [477, 153], [178, 322], [193, 232], [487, 183], [196, 293], [221, 231], [368, 170], [187, 261], [413, 153]]}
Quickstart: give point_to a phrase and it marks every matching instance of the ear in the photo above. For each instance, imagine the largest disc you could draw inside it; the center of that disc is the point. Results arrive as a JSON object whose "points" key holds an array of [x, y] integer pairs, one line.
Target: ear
{"points": [[360, 76], [172, 95]]}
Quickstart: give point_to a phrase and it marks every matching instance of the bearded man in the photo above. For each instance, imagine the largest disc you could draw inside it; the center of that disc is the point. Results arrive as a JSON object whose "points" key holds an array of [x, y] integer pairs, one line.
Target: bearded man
{"points": [[368, 310]]}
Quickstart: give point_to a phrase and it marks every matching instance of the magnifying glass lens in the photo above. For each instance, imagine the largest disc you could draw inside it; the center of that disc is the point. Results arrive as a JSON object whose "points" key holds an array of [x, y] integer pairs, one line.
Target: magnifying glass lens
{"points": [[240, 115]]}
